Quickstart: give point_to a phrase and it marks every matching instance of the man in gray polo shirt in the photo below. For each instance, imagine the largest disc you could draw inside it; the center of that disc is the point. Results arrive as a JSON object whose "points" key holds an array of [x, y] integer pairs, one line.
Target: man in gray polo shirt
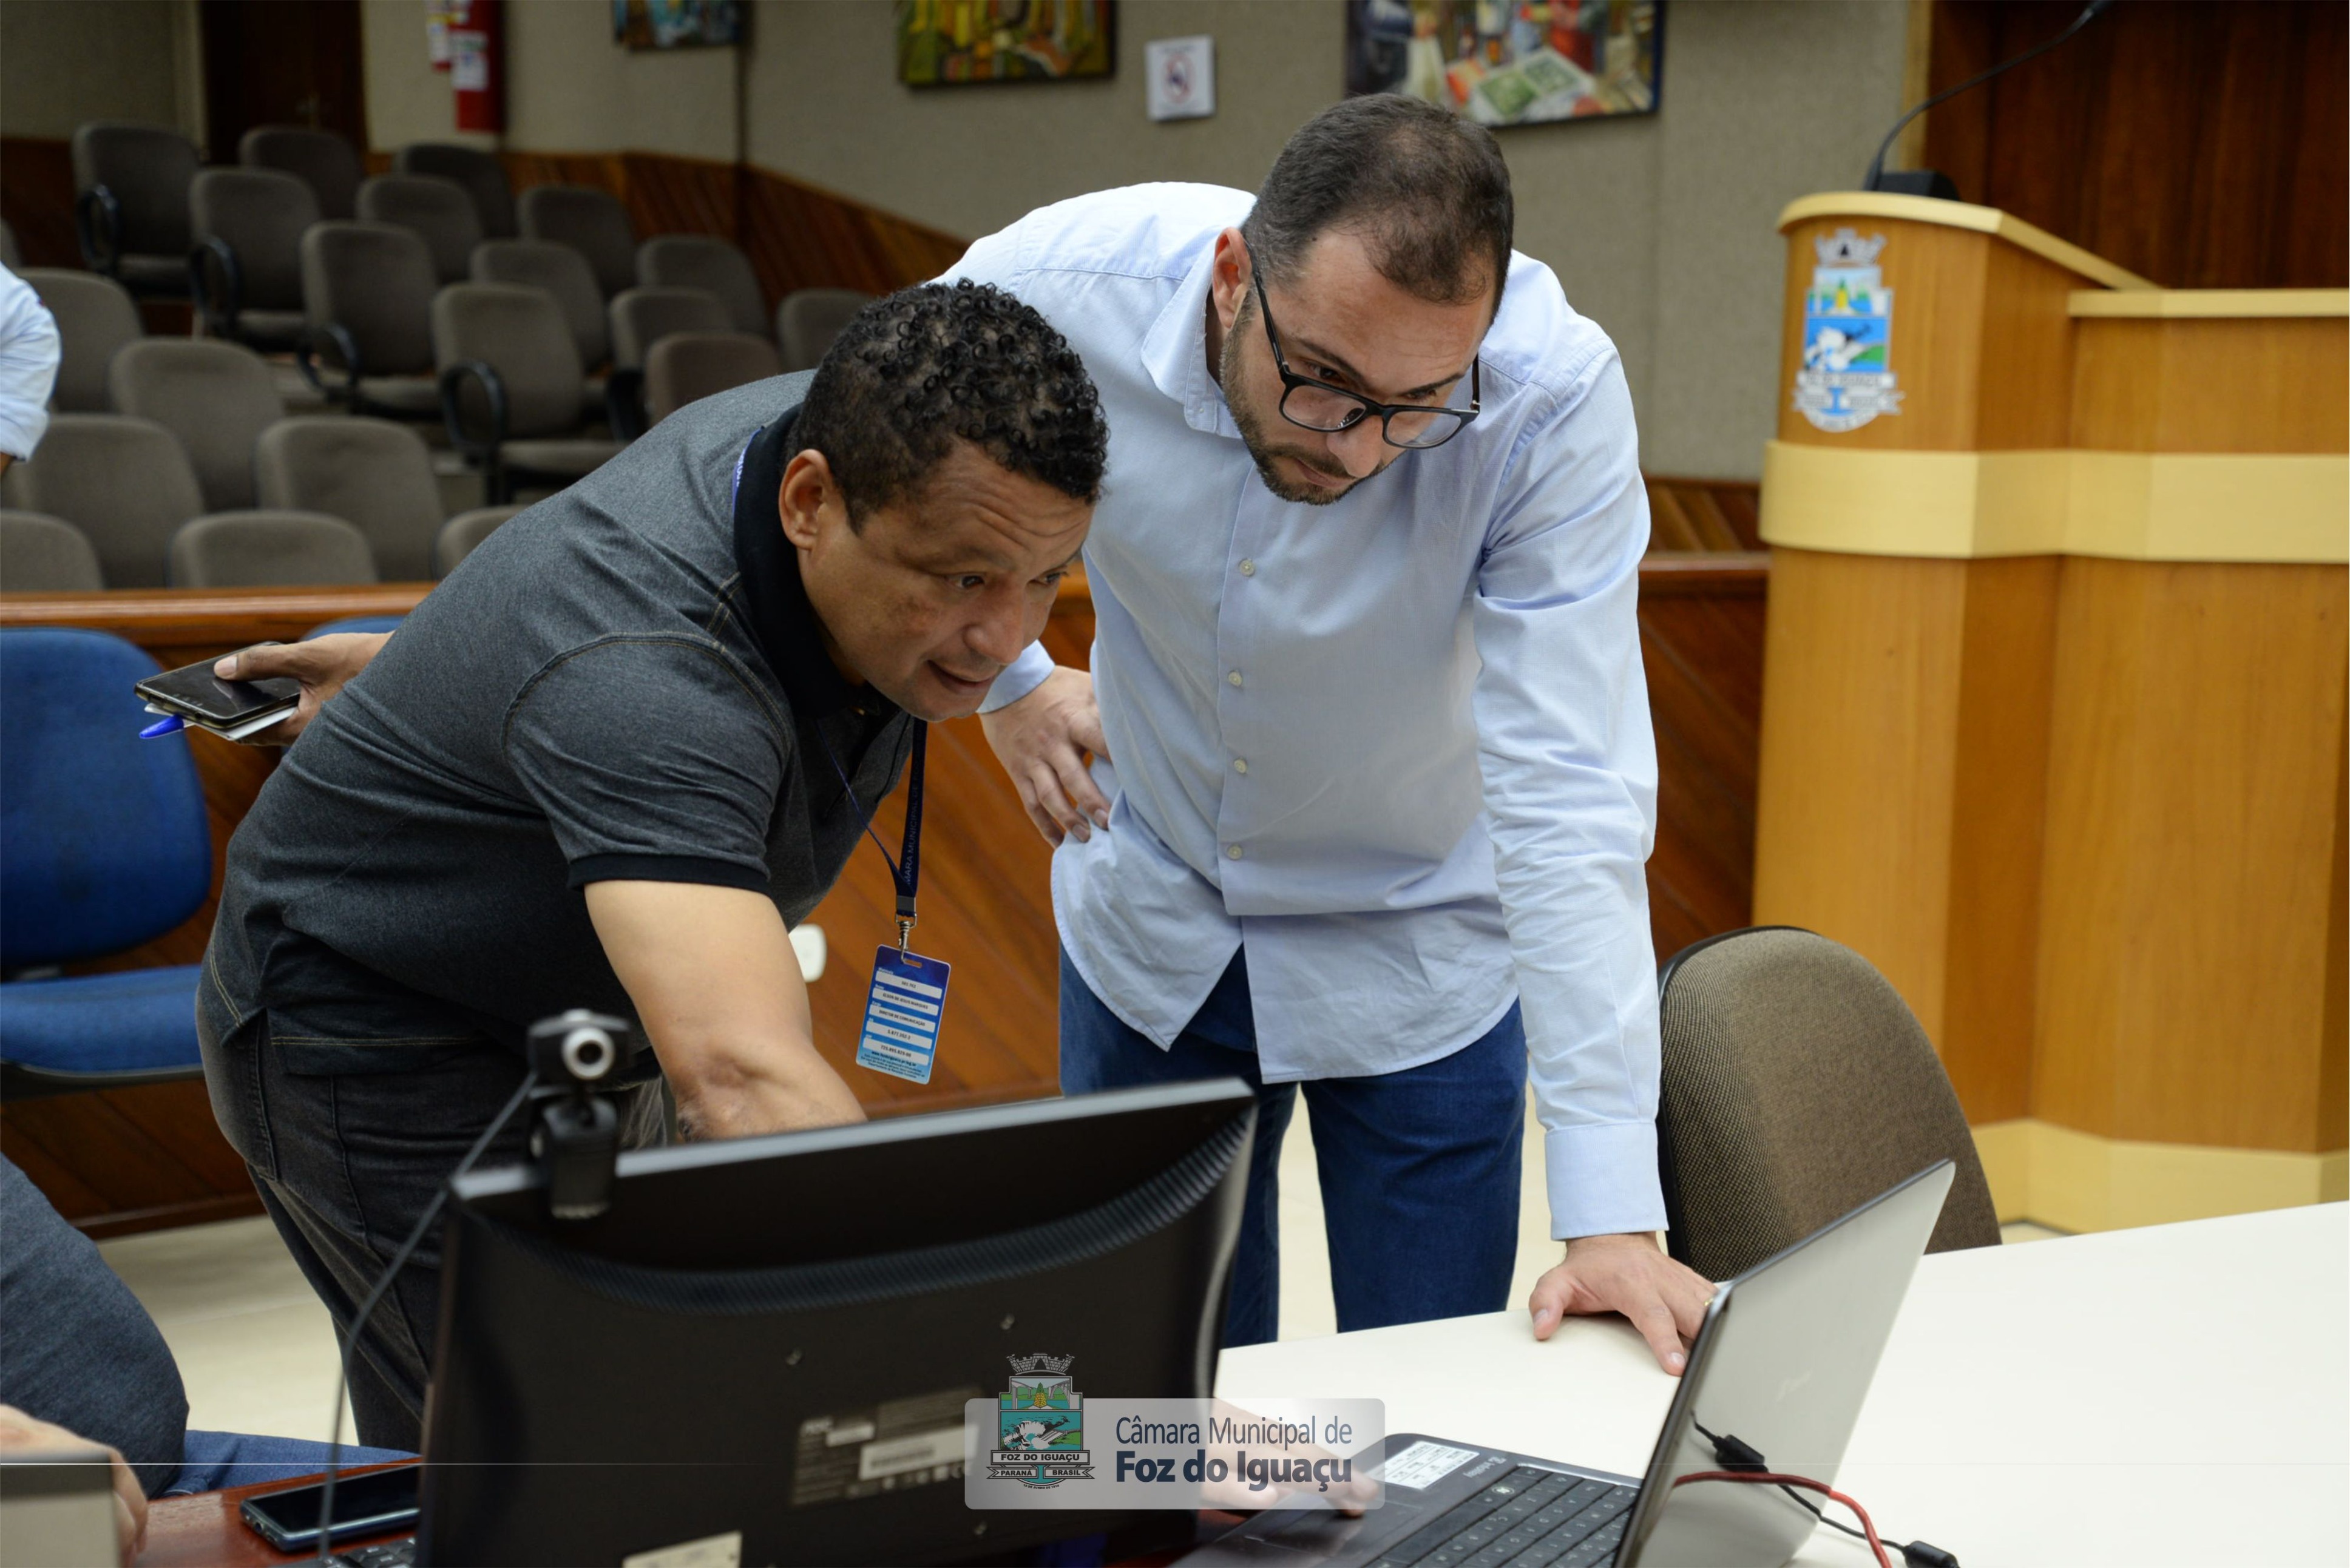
{"points": [[612, 760]]}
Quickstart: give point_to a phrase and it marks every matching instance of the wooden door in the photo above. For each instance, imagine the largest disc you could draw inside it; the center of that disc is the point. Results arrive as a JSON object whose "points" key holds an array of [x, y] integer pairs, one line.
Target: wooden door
{"points": [[282, 62]]}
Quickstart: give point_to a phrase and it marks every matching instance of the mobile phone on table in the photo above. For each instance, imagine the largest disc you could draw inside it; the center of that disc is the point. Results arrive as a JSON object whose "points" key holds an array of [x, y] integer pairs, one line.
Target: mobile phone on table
{"points": [[194, 693], [377, 1502]]}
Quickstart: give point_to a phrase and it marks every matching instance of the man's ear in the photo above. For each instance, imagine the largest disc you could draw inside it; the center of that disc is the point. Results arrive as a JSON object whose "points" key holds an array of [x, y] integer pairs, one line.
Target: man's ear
{"points": [[807, 489], [1228, 279]]}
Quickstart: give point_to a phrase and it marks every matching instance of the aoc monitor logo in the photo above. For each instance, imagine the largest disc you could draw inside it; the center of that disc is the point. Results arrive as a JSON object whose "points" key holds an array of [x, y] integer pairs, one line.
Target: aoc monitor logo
{"points": [[1846, 378], [1040, 1426]]}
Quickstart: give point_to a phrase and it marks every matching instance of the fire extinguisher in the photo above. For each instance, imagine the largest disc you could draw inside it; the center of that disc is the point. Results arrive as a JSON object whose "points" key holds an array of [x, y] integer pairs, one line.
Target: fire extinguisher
{"points": [[477, 64]]}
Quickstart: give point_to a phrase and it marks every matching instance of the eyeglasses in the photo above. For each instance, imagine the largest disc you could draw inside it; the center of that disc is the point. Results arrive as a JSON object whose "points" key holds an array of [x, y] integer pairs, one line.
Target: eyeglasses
{"points": [[1317, 406]]}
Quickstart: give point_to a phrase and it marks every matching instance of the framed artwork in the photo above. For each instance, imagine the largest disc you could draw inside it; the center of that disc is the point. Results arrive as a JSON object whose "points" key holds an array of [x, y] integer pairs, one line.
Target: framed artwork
{"points": [[954, 42], [676, 24], [1511, 62]]}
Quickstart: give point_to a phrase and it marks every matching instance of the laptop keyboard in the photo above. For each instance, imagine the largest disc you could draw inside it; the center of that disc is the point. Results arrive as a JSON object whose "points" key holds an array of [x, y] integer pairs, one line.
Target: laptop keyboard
{"points": [[1528, 1519]]}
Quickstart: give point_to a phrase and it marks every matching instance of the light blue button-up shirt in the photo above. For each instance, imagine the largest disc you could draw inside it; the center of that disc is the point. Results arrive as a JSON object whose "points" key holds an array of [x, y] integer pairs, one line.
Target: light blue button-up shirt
{"points": [[1398, 745]]}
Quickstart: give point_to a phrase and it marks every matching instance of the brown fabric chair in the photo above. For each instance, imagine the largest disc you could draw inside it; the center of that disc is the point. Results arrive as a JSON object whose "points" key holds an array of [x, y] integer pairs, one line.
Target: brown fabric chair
{"points": [[641, 318], [247, 262], [95, 316], [366, 292], [372, 474], [130, 202], [439, 211], [561, 272], [699, 261], [268, 549], [1796, 1086], [41, 554], [810, 319], [590, 221], [687, 367], [216, 398], [482, 175], [124, 482], [319, 158], [463, 534], [510, 386]]}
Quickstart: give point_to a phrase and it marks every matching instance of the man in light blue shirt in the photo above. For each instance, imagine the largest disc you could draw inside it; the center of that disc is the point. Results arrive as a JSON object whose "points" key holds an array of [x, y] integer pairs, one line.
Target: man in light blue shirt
{"points": [[1373, 780]]}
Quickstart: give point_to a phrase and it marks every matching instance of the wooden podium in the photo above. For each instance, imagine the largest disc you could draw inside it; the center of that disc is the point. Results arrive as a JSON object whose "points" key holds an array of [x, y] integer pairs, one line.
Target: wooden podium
{"points": [[2054, 693]]}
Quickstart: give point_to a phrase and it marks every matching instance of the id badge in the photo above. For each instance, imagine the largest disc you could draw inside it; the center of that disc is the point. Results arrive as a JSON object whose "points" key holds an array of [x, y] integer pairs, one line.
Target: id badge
{"points": [[902, 1012]]}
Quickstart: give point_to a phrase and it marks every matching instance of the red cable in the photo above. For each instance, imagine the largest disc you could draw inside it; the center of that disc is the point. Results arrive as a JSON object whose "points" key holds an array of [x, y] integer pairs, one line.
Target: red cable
{"points": [[1772, 1478]]}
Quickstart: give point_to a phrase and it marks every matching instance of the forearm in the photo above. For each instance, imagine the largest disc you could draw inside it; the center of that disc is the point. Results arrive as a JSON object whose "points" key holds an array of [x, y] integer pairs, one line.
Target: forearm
{"points": [[740, 1086]]}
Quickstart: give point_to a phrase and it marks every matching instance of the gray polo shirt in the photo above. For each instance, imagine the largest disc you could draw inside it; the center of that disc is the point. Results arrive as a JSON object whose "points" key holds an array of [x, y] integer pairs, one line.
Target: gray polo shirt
{"points": [[624, 682]]}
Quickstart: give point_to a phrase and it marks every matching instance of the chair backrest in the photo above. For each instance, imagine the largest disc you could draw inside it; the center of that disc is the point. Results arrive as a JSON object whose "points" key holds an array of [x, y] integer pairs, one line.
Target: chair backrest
{"points": [[810, 319], [44, 555], [1797, 1085], [372, 474], [260, 215], [95, 316], [463, 534], [561, 272], [521, 334], [687, 367], [700, 261], [103, 841], [590, 221], [269, 549], [482, 175], [438, 210], [216, 397], [319, 158], [643, 317], [11, 256], [375, 282], [125, 483], [148, 169]]}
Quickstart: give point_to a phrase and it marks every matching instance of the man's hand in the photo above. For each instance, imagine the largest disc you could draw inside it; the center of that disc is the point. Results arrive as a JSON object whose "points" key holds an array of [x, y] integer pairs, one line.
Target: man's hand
{"points": [[718, 987], [1041, 740], [20, 1433], [322, 665], [1632, 1275]]}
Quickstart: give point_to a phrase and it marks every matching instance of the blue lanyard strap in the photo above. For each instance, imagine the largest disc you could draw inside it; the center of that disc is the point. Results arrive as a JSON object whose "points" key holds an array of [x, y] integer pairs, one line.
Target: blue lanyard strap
{"points": [[906, 871]]}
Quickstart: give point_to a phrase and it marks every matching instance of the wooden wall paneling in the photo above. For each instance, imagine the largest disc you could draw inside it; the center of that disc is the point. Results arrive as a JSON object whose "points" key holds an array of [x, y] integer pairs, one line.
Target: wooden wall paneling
{"points": [[2277, 384], [36, 197]]}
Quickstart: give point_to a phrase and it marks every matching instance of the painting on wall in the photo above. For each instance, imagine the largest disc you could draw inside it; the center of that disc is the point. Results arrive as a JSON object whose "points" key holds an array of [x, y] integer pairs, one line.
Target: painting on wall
{"points": [[950, 43], [676, 24], [1509, 62]]}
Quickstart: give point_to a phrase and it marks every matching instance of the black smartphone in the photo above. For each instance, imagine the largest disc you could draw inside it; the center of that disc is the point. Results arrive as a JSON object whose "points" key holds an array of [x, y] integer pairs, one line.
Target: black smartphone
{"points": [[376, 1503], [194, 691]]}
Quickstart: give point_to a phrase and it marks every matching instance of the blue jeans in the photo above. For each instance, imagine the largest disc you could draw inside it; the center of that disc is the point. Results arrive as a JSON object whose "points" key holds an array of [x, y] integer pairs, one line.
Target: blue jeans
{"points": [[1419, 1169]]}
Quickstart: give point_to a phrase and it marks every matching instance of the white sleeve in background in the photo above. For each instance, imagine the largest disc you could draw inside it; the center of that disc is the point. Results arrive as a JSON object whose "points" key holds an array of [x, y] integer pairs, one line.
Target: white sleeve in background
{"points": [[28, 366]]}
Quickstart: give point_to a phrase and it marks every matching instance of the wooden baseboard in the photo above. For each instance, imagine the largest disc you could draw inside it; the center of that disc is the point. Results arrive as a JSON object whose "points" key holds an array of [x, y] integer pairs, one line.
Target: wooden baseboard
{"points": [[2073, 1180], [165, 1215]]}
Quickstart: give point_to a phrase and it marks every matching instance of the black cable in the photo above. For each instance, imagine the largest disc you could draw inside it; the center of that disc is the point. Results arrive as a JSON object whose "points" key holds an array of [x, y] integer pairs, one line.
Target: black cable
{"points": [[383, 1282], [1877, 165]]}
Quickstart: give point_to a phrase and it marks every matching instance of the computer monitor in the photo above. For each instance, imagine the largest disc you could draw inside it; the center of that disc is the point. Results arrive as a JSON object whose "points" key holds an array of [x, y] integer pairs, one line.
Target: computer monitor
{"points": [[775, 1336]]}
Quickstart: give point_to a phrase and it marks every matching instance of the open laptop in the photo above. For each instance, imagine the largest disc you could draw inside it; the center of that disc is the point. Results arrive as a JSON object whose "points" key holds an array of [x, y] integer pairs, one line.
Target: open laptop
{"points": [[1777, 1374]]}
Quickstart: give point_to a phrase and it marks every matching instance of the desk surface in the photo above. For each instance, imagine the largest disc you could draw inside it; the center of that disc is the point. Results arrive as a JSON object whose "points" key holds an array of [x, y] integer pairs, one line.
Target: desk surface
{"points": [[2178, 1394]]}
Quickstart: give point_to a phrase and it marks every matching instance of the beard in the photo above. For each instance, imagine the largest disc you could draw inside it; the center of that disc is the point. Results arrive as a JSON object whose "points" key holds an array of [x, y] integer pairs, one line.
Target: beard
{"points": [[1261, 448]]}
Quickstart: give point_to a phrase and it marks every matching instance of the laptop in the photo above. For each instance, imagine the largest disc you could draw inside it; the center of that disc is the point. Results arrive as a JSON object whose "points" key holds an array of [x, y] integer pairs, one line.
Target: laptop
{"points": [[1775, 1380]]}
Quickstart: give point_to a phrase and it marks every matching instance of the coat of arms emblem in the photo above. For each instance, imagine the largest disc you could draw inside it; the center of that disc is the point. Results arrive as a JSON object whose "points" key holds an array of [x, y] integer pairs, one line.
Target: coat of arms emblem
{"points": [[1846, 376], [1040, 1426]]}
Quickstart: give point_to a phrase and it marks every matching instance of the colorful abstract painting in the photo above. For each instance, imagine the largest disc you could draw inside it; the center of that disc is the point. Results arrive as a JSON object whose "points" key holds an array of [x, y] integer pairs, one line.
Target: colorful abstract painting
{"points": [[950, 43], [1509, 62], [676, 24]]}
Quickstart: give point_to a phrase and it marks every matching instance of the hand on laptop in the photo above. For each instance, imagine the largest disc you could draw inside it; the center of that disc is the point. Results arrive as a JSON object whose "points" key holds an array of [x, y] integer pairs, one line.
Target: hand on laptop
{"points": [[1629, 1275]]}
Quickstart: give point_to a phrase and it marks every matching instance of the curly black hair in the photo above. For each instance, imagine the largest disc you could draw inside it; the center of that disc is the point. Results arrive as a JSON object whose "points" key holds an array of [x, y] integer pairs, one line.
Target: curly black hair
{"points": [[915, 372]]}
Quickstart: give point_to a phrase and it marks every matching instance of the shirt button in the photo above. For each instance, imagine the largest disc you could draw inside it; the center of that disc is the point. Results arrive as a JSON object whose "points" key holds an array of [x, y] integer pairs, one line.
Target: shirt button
{"points": [[1233, 678], [1248, 568], [1240, 765], [1231, 852]]}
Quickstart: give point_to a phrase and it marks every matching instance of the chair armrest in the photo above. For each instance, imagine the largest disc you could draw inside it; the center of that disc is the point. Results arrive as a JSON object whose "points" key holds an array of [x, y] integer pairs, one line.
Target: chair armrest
{"points": [[484, 452], [97, 225], [305, 357], [220, 305]]}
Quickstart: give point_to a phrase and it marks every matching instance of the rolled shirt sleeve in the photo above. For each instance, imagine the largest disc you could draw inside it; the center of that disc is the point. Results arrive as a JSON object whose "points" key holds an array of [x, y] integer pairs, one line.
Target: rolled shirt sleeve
{"points": [[28, 366]]}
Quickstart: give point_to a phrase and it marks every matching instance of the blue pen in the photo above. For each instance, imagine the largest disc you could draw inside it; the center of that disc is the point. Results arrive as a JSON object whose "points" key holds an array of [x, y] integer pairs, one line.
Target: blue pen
{"points": [[167, 725]]}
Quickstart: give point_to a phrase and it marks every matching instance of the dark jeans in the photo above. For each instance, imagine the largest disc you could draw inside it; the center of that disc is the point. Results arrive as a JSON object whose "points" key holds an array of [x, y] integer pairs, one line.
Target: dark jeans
{"points": [[1419, 1169]]}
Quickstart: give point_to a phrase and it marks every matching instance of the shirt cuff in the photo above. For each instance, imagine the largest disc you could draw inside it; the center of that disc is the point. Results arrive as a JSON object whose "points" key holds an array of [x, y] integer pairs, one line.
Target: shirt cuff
{"points": [[694, 868], [1019, 676], [1603, 1179]]}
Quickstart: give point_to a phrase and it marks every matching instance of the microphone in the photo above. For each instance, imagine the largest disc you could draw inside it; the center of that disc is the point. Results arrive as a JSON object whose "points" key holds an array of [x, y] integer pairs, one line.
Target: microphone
{"points": [[1932, 182]]}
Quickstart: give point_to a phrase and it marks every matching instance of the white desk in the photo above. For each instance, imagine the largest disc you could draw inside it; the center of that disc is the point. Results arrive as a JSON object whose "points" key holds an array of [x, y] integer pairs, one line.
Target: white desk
{"points": [[2179, 1394]]}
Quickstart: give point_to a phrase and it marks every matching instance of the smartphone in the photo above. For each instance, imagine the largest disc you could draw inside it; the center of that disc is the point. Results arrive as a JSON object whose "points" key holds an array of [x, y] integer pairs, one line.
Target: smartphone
{"points": [[193, 692], [375, 1503]]}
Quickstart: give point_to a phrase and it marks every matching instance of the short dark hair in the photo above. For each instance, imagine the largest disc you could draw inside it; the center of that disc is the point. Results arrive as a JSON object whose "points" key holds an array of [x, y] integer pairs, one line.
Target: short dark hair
{"points": [[1427, 189], [917, 370]]}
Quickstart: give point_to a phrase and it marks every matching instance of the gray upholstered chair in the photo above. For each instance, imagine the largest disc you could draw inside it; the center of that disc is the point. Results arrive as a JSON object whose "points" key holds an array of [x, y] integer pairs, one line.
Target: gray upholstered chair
{"points": [[124, 482], [590, 221], [810, 319], [268, 549], [561, 272], [700, 261], [510, 386], [482, 175], [130, 202], [641, 318], [1796, 1086], [95, 316], [366, 292], [246, 266], [463, 534], [43, 554], [216, 397], [319, 158], [371, 473], [439, 211], [687, 367]]}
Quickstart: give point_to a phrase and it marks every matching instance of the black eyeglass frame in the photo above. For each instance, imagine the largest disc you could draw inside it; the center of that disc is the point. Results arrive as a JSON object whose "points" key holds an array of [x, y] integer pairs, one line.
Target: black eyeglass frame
{"points": [[1292, 381]]}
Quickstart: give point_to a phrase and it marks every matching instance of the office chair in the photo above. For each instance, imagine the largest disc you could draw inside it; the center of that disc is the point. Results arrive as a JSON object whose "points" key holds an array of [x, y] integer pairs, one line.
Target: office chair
{"points": [[245, 270], [808, 319], [1796, 1086], [687, 367], [561, 272], [373, 474], [95, 316], [125, 483], [44, 555], [590, 221], [216, 398], [698, 260], [482, 175], [319, 158], [463, 534], [510, 386], [439, 211], [103, 845], [267, 550], [130, 203], [367, 292]]}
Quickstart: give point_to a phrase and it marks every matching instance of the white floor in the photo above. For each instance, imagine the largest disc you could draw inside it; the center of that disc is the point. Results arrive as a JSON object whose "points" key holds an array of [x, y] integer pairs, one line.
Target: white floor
{"points": [[257, 1351]]}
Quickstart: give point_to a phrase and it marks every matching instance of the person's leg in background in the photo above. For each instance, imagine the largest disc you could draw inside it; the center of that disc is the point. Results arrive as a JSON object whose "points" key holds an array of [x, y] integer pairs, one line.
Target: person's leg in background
{"points": [[1421, 1173], [1100, 1051]]}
